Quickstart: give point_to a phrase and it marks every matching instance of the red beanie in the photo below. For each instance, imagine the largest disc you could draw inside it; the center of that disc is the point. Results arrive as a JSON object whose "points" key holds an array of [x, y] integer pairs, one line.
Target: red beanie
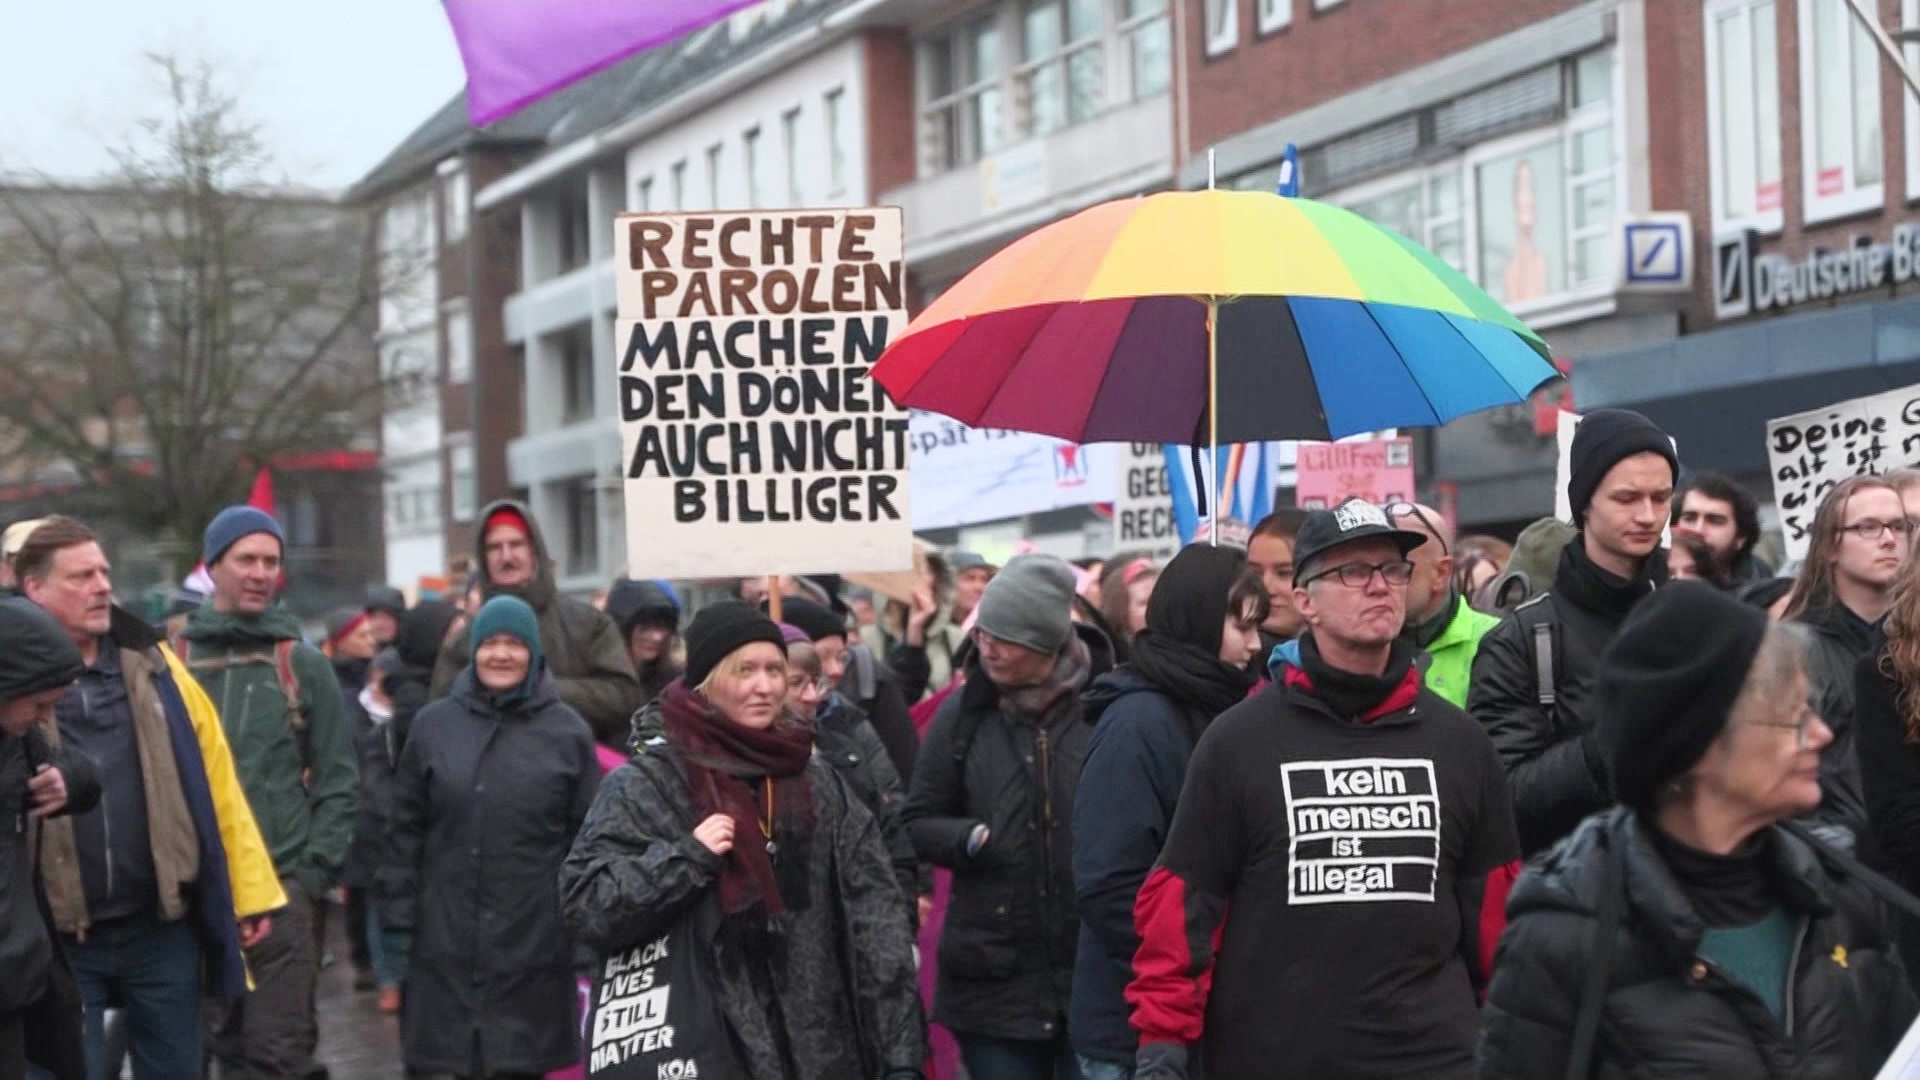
{"points": [[507, 515]]}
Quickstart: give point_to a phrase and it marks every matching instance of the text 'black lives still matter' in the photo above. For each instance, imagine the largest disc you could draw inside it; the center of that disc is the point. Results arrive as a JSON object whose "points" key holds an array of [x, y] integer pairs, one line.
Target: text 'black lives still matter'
{"points": [[755, 441]]}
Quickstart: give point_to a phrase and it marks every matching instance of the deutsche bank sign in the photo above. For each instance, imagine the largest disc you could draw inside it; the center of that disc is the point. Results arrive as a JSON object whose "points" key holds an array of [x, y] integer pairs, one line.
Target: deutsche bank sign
{"points": [[1747, 282]]}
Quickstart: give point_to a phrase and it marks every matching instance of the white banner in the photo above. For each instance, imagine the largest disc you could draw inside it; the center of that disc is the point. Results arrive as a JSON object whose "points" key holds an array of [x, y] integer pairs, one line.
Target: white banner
{"points": [[754, 440], [963, 475], [1143, 517], [1810, 452]]}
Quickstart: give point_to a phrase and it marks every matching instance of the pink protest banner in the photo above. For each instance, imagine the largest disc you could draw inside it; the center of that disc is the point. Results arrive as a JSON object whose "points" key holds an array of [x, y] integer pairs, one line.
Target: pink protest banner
{"points": [[1380, 471]]}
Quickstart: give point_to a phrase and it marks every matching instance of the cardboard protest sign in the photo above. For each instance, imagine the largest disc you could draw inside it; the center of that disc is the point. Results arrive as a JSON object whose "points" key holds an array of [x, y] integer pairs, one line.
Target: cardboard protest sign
{"points": [[1810, 452], [1379, 471], [1143, 517], [754, 440]]}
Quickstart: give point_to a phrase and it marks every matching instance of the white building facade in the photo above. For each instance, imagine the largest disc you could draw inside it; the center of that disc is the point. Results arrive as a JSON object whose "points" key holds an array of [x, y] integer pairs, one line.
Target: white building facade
{"points": [[410, 435]]}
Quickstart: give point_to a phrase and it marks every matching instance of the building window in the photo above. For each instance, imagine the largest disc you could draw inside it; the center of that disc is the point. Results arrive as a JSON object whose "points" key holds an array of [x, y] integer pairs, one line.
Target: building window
{"points": [[1840, 130], [1323, 5], [790, 154], [453, 189], [459, 345], [1145, 32], [756, 195], [1276, 15], [573, 228], [643, 195], [1910, 18], [1743, 113], [576, 376], [1061, 79], [836, 105], [583, 527], [679, 175], [962, 95], [1223, 25], [466, 501], [1424, 207], [716, 156]]}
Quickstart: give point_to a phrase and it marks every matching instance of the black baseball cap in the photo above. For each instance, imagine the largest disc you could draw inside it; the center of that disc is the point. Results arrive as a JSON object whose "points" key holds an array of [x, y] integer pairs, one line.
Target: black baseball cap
{"points": [[1355, 519]]}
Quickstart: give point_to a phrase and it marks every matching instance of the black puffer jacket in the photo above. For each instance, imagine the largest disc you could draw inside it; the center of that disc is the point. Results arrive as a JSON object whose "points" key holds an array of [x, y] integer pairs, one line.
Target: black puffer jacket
{"points": [[1669, 1014], [1832, 655], [845, 739], [486, 803], [1007, 952], [636, 868], [1553, 768]]}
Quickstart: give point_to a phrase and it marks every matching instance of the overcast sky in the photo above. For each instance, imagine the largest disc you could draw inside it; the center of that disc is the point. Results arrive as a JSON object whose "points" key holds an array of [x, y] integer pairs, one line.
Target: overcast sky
{"points": [[335, 83]]}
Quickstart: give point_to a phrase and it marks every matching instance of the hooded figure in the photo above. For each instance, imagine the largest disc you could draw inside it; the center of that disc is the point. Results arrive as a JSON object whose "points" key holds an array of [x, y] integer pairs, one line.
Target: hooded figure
{"points": [[1189, 665], [585, 654], [491, 787], [648, 615]]}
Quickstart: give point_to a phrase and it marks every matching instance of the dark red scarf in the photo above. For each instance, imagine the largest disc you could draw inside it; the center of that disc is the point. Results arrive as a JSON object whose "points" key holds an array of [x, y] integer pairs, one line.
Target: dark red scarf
{"points": [[726, 767]]}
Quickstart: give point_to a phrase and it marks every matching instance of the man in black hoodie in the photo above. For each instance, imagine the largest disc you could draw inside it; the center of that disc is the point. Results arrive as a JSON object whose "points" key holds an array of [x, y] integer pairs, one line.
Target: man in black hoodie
{"points": [[1534, 672], [1332, 885], [39, 1003]]}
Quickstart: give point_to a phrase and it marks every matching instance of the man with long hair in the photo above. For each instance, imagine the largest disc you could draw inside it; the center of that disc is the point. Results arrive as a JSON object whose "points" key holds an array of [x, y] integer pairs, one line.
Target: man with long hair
{"points": [[1858, 542], [1533, 675]]}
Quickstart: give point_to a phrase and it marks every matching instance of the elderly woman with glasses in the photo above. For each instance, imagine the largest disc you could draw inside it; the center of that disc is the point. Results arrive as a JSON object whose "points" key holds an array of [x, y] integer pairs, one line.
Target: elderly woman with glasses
{"points": [[1686, 932], [844, 738]]}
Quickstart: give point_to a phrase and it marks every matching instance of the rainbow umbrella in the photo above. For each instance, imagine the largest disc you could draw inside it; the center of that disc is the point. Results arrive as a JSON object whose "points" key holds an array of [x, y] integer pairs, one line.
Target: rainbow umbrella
{"points": [[1210, 317]]}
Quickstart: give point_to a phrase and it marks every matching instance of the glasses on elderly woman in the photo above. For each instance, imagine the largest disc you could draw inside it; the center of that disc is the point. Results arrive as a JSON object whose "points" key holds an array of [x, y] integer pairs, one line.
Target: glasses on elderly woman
{"points": [[1799, 725], [799, 680]]}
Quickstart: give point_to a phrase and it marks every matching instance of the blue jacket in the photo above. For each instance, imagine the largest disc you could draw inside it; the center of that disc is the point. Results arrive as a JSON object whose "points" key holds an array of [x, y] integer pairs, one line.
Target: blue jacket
{"points": [[1136, 762]]}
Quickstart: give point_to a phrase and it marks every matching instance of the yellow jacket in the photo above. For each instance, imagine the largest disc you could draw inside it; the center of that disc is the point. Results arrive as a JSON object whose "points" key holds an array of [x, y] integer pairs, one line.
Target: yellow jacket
{"points": [[256, 887]]}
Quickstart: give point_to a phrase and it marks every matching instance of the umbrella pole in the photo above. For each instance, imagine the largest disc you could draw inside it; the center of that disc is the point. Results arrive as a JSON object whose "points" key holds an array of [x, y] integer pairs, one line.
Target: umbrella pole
{"points": [[1213, 417]]}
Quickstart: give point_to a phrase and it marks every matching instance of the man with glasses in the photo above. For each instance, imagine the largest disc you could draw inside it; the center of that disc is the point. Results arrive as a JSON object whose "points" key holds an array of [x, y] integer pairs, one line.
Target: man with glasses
{"points": [[1533, 676], [1310, 908], [1439, 619], [1859, 541]]}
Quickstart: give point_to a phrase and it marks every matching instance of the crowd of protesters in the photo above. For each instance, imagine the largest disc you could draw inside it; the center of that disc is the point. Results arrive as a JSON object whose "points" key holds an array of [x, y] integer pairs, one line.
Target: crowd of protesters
{"points": [[1361, 798]]}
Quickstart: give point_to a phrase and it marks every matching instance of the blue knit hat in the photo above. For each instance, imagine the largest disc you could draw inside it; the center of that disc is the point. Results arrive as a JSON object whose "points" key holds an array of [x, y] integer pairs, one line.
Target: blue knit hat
{"points": [[511, 616], [234, 524]]}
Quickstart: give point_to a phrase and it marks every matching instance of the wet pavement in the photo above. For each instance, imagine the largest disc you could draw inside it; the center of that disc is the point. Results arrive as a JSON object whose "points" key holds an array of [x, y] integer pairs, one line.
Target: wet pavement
{"points": [[357, 1042]]}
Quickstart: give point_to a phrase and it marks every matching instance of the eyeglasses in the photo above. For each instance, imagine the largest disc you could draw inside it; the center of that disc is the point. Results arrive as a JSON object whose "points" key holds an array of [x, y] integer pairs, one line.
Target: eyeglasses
{"points": [[1412, 510], [1356, 575], [798, 681], [1799, 727], [1874, 530]]}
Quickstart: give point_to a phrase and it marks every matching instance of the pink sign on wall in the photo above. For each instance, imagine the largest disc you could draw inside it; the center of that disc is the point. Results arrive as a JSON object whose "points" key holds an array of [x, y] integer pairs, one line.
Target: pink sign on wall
{"points": [[1327, 474]]}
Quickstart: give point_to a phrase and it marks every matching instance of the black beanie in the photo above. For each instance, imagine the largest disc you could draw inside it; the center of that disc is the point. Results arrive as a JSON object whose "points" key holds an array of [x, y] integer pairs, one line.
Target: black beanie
{"points": [[1603, 439], [721, 628], [812, 618], [1667, 683]]}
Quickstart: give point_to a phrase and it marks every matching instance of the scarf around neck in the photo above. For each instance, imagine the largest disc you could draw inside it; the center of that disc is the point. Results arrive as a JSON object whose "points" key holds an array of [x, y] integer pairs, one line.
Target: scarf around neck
{"points": [[1069, 676], [1351, 694], [1199, 682], [728, 769], [1581, 580]]}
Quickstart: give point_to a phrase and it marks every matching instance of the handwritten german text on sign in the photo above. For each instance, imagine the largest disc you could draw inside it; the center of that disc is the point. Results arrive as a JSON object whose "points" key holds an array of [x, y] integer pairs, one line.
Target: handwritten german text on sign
{"points": [[1379, 471], [1810, 452], [754, 440]]}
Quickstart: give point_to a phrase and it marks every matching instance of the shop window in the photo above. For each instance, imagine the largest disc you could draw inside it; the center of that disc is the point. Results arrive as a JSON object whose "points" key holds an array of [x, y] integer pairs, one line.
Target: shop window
{"points": [[1841, 144], [1743, 113]]}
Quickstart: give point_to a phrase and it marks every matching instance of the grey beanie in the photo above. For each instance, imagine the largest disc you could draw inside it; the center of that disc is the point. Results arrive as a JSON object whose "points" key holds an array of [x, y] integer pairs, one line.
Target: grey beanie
{"points": [[1029, 603]]}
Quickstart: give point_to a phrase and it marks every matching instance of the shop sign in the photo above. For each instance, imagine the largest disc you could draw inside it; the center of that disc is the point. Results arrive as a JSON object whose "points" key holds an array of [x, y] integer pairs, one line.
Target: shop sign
{"points": [[1747, 281]]}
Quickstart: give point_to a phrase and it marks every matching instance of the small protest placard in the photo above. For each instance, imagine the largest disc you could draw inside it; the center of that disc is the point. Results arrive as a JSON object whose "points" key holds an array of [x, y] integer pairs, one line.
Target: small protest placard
{"points": [[754, 439], [1143, 518], [1379, 471], [1810, 452]]}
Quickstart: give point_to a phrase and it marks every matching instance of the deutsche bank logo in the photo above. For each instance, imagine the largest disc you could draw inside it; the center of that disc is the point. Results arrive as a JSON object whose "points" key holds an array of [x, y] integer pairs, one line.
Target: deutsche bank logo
{"points": [[1733, 275]]}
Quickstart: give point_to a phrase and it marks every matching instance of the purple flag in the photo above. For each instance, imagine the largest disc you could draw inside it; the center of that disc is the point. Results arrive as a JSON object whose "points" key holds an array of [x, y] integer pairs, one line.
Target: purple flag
{"points": [[519, 51]]}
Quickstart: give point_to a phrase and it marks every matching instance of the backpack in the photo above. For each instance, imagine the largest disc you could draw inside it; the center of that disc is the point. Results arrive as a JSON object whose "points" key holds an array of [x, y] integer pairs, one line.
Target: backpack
{"points": [[280, 659]]}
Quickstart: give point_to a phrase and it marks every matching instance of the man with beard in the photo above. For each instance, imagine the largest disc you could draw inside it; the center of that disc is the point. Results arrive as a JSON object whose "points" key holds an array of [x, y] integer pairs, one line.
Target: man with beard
{"points": [[584, 652], [1534, 673], [1726, 518]]}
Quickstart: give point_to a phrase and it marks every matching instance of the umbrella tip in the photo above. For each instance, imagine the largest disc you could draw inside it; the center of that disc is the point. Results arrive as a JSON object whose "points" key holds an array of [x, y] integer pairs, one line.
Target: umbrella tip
{"points": [[1289, 185]]}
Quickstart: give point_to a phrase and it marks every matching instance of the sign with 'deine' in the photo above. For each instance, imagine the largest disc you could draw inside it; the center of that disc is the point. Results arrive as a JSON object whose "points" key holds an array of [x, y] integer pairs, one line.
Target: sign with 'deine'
{"points": [[1809, 453], [755, 441]]}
